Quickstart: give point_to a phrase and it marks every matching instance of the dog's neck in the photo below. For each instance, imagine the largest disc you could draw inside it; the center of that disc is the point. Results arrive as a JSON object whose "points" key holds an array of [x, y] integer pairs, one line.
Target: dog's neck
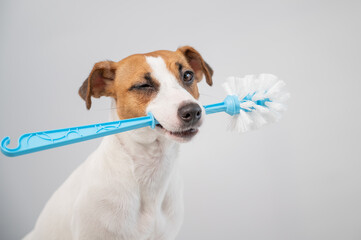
{"points": [[151, 156]]}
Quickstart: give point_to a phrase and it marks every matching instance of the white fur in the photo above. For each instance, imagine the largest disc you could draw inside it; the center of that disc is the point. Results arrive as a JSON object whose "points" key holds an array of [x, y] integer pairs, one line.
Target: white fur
{"points": [[130, 188]]}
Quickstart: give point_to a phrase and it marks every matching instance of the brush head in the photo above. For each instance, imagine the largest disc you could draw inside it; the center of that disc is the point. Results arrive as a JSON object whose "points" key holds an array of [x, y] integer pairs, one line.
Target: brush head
{"points": [[261, 99]]}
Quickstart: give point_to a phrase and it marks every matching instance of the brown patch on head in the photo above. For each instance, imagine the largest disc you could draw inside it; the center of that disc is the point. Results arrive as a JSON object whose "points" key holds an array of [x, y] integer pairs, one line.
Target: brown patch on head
{"points": [[131, 90], [120, 80]]}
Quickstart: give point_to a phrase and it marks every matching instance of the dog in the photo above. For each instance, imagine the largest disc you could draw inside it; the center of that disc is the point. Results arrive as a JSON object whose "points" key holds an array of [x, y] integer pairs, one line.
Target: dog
{"points": [[131, 186]]}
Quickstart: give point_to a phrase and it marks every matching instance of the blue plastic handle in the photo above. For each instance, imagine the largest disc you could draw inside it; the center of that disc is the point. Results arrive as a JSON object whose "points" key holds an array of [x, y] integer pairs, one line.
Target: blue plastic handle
{"points": [[33, 142], [38, 141]]}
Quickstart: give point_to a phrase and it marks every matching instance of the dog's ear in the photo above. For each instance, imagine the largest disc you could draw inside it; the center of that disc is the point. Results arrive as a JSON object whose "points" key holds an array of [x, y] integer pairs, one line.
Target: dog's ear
{"points": [[197, 63], [99, 83]]}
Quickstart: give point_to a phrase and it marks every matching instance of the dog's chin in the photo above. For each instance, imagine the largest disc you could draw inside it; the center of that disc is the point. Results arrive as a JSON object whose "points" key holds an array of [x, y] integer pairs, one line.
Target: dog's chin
{"points": [[181, 135]]}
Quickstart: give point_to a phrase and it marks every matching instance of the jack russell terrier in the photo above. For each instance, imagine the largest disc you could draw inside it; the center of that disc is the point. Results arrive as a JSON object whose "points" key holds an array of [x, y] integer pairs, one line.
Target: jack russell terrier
{"points": [[131, 187]]}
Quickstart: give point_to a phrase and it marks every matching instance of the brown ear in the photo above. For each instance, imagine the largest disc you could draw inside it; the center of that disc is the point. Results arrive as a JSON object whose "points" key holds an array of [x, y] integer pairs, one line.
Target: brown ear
{"points": [[197, 63], [99, 83]]}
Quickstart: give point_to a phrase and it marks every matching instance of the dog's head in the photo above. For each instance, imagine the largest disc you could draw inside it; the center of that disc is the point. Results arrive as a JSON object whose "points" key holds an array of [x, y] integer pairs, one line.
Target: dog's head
{"points": [[161, 82]]}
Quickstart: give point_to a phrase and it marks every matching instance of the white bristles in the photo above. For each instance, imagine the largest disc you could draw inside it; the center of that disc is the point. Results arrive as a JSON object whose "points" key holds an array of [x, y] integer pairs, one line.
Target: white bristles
{"points": [[276, 88], [230, 86], [279, 107], [261, 109], [258, 119], [247, 105], [267, 102], [241, 123]]}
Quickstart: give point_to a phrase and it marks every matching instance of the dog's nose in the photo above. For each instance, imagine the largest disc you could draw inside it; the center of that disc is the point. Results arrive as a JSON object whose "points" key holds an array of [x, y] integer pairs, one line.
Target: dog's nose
{"points": [[190, 113]]}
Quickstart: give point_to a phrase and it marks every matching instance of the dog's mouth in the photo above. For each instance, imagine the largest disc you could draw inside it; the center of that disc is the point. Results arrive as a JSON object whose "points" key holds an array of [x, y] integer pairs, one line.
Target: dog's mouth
{"points": [[181, 135]]}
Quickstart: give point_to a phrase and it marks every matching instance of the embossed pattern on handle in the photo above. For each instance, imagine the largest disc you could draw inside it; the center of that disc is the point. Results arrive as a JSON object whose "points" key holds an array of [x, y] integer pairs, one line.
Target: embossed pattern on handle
{"points": [[33, 142]]}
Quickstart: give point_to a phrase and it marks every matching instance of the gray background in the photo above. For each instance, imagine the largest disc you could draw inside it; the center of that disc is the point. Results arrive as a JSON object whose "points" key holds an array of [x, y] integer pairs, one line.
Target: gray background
{"points": [[298, 179]]}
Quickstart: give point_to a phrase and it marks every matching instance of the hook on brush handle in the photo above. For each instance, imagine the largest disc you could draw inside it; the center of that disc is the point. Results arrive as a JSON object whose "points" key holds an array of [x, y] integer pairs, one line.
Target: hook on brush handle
{"points": [[33, 142]]}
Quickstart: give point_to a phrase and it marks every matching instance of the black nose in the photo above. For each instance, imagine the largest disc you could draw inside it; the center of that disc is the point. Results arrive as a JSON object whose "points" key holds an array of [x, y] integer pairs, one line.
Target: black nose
{"points": [[190, 113]]}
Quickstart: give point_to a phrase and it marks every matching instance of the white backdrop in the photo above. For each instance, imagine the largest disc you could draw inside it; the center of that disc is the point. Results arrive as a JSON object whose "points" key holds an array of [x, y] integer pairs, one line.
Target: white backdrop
{"points": [[298, 179]]}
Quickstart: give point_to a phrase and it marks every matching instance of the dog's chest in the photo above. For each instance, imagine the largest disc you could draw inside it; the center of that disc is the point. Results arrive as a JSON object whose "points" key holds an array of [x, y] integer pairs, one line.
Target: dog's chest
{"points": [[160, 190], [158, 179], [161, 219]]}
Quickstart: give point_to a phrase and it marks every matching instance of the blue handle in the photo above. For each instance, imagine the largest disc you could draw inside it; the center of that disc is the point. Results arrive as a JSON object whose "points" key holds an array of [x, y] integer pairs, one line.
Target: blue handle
{"points": [[33, 142]]}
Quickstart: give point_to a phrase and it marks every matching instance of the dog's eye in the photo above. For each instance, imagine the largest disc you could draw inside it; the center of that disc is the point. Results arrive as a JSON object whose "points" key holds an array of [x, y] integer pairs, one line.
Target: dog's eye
{"points": [[143, 86], [188, 76]]}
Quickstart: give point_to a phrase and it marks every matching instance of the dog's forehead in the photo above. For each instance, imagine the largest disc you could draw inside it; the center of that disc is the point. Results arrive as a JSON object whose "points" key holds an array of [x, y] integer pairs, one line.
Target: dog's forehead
{"points": [[162, 61], [161, 72], [164, 66]]}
